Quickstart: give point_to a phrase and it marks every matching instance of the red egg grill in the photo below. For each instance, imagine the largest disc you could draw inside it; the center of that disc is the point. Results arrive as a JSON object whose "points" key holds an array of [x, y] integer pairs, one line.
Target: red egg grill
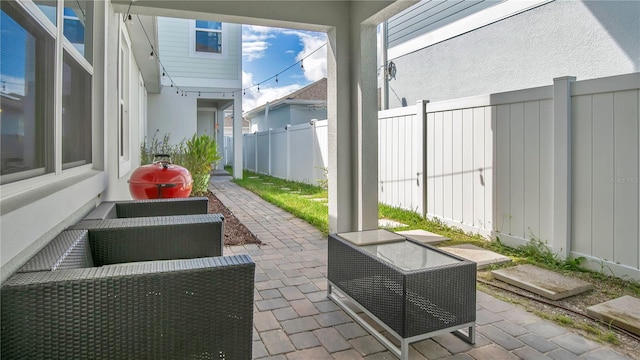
{"points": [[161, 179]]}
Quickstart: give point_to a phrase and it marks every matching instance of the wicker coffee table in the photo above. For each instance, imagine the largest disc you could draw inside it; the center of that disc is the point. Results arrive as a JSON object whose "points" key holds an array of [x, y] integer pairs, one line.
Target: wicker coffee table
{"points": [[412, 290]]}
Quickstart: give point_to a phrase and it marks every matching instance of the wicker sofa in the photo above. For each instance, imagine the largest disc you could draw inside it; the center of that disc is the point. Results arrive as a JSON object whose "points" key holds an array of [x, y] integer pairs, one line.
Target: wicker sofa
{"points": [[151, 207], [99, 291]]}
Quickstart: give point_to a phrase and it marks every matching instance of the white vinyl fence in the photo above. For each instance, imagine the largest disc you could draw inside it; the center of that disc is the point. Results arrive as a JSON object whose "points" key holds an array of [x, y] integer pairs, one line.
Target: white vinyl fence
{"points": [[296, 152], [558, 163], [227, 156]]}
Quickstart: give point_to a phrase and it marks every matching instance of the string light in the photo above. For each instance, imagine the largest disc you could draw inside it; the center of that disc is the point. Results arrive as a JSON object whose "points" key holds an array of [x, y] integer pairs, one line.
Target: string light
{"points": [[244, 90]]}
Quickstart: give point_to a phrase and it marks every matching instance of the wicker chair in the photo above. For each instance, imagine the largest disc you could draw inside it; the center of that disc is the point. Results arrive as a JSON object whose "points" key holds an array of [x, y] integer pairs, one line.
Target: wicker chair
{"points": [[152, 207], [93, 293]]}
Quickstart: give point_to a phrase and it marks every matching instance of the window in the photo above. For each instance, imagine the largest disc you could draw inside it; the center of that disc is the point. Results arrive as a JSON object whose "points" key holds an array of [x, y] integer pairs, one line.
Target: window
{"points": [[39, 136], [26, 96], [76, 110], [208, 36], [207, 39], [76, 15]]}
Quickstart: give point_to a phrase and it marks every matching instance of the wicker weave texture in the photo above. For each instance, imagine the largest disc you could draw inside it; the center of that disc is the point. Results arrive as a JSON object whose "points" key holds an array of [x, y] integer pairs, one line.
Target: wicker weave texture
{"points": [[162, 207], [154, 238], [188, 309], [69, 250], [409, 302]]}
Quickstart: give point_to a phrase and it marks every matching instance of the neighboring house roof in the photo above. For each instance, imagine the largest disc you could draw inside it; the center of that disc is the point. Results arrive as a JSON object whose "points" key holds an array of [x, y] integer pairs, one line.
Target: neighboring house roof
{"points": [[313, 94], [228, 121]]}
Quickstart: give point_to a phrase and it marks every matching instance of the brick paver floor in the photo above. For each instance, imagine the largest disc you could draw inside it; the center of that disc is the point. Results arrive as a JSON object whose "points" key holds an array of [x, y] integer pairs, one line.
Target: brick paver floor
{"points": [[293, 319]]}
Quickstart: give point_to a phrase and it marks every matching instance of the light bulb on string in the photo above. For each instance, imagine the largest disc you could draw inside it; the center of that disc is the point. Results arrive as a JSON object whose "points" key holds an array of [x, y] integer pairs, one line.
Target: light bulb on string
{"points": [[276, 79], [198, 93], [301, 65]]}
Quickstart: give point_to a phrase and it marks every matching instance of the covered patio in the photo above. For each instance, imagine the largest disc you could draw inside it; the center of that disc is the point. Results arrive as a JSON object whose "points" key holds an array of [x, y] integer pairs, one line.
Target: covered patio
{"points": [[294, 319], [351, 85]]}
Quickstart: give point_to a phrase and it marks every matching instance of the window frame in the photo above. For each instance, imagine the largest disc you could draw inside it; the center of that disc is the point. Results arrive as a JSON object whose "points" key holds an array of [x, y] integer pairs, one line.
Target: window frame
{"points": [[207, 55], [124, 101], [19, 182]]}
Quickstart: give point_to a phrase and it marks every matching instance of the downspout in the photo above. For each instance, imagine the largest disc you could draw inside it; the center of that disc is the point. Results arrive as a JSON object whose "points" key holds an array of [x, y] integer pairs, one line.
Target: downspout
{"points": [[384, 91], [266, 115]]}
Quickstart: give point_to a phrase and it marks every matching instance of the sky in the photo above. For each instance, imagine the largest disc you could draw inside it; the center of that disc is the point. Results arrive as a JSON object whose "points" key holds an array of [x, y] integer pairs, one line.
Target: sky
{"points": [[268, 51]]}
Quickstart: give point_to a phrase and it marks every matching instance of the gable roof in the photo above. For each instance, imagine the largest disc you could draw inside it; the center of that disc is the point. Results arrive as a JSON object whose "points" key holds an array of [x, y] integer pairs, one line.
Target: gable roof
{"points": [[312, 94]]}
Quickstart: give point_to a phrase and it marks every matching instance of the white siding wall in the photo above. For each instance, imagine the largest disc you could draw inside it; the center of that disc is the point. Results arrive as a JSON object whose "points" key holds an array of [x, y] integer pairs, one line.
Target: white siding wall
{"points": [[173, 39], [173, 114]]}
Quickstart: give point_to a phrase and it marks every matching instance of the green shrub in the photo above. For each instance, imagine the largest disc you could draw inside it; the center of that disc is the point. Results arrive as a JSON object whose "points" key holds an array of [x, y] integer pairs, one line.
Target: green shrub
{"points": [[197, 155], [201, 155]]}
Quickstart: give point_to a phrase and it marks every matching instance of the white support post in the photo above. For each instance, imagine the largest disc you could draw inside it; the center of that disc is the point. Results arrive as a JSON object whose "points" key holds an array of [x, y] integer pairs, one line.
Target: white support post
{"points": [[288, 141], [313, 151], [237, 138], [561, 240], [270, 151], [421, 106]]}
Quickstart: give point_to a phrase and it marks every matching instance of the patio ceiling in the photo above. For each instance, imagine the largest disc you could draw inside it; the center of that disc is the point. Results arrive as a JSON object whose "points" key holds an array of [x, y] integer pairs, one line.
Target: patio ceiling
{"points": [[351, 28]]}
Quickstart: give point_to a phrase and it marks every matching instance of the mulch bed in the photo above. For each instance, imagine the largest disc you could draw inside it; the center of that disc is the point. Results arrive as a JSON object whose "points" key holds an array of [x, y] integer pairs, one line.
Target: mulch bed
{"points": [[234, 232]]}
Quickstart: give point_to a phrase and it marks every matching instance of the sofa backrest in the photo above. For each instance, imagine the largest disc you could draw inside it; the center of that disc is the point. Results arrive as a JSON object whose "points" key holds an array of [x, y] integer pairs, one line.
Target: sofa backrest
{"points": [[69, 250], [126, 240], [162, 207]]}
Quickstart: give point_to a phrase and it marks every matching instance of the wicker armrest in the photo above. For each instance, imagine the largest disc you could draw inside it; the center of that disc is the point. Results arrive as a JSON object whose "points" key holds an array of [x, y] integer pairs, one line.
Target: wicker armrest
{"points": [[125, 240], [162, 207], [187, 309], [69, 250]]}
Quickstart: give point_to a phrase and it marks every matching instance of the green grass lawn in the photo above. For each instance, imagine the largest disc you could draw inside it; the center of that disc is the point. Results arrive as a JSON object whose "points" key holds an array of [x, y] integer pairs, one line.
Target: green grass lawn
{"points": [[309, 202]]}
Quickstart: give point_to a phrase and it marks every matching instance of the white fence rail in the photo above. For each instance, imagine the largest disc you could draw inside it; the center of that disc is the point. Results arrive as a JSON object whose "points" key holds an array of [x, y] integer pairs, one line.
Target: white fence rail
{"points": [[557, 163], [297, 152], [400, 158], [227, 156]]}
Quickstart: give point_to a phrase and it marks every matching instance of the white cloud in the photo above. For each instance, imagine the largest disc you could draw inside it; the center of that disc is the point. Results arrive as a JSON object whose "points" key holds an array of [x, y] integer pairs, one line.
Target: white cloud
{"points": [[253, 98], [315, 66], [254, 41]]}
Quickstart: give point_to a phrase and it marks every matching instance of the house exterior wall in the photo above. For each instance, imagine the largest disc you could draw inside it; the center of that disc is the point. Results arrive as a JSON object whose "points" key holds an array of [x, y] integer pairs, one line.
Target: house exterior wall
{"points": [[419, 19], [173, 114], [35, 210], [525, 50], [173, 39], [286, 115], [303, 114]]}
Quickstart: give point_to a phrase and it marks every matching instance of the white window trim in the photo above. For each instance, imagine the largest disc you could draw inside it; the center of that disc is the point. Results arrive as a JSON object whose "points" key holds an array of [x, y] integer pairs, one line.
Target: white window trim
{"points": [[124, 127], [204, 55], [17, 188], [481, 18]]}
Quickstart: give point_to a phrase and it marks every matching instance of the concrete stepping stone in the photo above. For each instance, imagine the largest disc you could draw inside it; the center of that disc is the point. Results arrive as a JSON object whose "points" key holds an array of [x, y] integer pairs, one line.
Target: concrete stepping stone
{"points": [[253, 177], [423, 236], [480, 256], [543, 282], [285, 189], [388, 223], [623, 312]]}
